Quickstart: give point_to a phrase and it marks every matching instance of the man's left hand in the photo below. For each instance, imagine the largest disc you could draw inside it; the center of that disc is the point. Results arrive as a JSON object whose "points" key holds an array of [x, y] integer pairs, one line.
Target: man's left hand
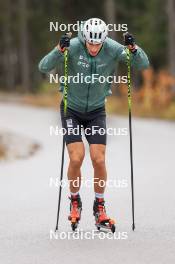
{"points": [[129, 41]]}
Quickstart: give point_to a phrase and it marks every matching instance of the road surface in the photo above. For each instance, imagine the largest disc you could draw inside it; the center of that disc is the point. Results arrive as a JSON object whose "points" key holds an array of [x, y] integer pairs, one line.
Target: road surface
{"points": [[28, 199]]}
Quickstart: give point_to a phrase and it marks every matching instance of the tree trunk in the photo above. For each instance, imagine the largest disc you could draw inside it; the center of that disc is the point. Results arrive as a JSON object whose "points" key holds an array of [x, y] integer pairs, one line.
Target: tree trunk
{"points": [[9, 71], [110, 14], [24, 51]]}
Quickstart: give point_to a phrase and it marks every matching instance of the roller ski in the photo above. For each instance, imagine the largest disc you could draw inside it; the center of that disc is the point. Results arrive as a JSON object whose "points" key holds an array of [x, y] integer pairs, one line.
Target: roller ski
{"points": [[75, 211], [101, 219]]}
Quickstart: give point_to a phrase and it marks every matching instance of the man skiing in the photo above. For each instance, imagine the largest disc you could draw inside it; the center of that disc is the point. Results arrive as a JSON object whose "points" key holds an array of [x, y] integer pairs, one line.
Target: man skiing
{"points": [[92, 52]]}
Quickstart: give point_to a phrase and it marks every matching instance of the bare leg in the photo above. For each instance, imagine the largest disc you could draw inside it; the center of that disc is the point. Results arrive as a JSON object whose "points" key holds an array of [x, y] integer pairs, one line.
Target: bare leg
{"points": [[76, 154], [97, 153]]}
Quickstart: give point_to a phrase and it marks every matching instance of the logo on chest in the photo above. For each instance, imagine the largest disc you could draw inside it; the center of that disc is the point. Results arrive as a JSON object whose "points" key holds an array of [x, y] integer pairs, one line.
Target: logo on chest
{"points": [[101, 65], [83, 62]]}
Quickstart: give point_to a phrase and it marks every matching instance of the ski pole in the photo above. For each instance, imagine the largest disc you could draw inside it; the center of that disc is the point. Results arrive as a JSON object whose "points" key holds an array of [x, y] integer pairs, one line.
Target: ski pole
{"points": [[63, 144], [60, 189], [130, 132]]}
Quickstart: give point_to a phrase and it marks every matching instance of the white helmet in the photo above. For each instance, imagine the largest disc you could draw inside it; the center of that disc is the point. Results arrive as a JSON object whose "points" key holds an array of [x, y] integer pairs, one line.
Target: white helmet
{"points": [[95, 31]]}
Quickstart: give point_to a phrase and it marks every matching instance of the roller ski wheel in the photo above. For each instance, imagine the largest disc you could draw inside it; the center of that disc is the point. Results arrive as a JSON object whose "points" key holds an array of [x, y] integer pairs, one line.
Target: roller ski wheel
{"points": [[75, 211], [109, 225], [101, 219], [74, 224]]}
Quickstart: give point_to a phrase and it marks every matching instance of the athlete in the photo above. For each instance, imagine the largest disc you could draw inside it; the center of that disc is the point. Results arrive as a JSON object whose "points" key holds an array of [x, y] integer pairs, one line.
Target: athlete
{"points": [[90, 54]]}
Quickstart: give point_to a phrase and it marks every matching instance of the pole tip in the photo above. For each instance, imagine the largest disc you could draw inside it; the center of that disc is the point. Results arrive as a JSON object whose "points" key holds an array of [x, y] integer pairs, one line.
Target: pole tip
{"points": [[133, 226]]}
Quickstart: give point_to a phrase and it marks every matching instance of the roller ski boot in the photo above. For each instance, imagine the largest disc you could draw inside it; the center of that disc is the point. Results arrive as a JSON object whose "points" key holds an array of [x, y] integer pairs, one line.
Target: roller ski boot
{"points": [[75, 211], [101, 219]]}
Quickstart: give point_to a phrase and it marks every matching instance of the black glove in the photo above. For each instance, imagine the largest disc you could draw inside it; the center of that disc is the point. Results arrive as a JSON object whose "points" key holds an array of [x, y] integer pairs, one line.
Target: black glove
{"points": [[64, 41], [128, 39]]}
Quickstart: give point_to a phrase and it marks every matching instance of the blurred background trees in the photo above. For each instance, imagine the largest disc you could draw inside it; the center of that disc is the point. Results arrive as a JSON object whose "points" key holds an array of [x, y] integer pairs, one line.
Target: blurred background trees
{"points": [[25, 36], [171, 35]]}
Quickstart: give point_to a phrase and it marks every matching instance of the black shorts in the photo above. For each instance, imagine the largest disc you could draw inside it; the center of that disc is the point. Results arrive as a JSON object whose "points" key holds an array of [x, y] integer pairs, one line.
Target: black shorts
{"points": [[91, 124]]}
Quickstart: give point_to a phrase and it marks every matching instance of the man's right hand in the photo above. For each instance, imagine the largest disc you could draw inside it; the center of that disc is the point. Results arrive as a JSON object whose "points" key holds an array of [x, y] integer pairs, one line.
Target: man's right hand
{"points": [[64, 42]]}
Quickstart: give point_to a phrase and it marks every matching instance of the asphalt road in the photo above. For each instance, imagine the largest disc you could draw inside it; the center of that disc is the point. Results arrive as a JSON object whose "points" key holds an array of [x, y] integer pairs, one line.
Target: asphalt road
{"points": [[28, 197]]}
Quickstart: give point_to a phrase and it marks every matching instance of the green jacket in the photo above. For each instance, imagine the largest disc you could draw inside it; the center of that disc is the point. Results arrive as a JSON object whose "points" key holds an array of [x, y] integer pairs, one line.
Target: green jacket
{"points": [[83, 96]]}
